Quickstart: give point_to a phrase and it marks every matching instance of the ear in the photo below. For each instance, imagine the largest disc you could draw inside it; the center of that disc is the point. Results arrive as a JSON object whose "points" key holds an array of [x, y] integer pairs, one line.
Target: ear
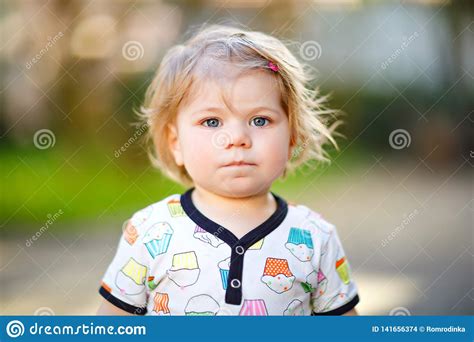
{"points": [[173, 143]]}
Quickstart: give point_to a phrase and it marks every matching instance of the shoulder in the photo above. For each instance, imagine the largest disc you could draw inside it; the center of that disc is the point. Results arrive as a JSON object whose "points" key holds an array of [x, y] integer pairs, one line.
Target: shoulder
{"points": [[156, 214], [309, 219]]}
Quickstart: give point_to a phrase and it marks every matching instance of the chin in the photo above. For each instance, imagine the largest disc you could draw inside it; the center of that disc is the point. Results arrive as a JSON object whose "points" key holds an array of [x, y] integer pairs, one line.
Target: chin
{"points": [[242, 187]]}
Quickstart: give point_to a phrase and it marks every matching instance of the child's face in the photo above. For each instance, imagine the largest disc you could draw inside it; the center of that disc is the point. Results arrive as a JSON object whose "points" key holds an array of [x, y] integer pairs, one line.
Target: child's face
{"points": [[247, 126]]}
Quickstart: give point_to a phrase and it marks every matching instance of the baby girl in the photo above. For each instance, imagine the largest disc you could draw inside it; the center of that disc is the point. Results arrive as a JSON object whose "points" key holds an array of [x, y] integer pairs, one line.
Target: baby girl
{"points": [[229, 112]]}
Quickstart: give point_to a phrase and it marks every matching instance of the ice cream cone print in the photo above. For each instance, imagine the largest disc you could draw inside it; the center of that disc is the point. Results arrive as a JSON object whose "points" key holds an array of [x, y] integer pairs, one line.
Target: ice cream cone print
{"points": [[342, 267], [300, 244], [253, 307], [175, 208], [277, 275], [207, 237], [131, 278], [157, 238], [185, 269], [161, 301]]}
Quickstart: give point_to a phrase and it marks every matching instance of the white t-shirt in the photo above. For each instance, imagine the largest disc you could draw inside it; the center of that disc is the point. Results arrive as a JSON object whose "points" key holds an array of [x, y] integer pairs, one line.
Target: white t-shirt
{"points": [[173, 260]]}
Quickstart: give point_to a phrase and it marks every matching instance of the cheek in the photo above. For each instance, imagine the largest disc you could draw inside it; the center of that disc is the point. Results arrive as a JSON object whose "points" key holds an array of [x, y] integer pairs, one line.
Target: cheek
{"points": [[196, 147], [273, 146]]}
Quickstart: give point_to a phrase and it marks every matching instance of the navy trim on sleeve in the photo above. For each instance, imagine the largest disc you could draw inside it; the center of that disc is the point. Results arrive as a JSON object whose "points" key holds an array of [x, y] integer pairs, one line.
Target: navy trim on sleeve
{"points": [[341, 310], [121, 304]]}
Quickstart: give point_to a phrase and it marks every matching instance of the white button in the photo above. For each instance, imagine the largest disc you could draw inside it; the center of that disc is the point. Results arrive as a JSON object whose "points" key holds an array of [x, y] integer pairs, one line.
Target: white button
{"points": [[235, 283], [240, 250]]}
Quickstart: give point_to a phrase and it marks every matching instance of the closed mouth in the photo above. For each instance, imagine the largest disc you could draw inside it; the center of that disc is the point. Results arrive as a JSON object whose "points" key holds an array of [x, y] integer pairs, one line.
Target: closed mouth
{"points": [[240, 163]]}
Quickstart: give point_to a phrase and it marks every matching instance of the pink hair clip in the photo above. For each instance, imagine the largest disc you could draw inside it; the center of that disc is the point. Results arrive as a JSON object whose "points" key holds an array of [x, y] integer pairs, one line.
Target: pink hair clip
{"points": [[273, 66]]}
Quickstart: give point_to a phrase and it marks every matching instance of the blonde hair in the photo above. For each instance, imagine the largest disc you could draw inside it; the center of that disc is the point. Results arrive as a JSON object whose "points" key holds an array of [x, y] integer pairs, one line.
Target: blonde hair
{"points": [[308, 118]]}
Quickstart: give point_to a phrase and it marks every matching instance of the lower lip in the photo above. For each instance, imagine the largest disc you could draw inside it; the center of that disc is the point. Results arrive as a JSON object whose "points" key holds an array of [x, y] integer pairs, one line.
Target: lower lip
{"points": [[240, 165]]}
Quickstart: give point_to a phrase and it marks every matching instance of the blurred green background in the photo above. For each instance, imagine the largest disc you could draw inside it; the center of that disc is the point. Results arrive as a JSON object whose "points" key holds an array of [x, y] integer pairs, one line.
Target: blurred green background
{"points": [[73, 73]]}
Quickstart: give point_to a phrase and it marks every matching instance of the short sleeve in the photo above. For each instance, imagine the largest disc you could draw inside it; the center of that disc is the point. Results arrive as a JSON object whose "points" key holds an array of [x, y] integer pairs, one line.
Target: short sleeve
{"points": [[124, 282], [336, 293]]}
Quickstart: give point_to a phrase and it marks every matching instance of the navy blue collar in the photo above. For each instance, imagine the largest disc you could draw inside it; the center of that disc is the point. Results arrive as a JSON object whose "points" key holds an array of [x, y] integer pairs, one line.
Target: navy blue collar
{"points": [[227, 236]]}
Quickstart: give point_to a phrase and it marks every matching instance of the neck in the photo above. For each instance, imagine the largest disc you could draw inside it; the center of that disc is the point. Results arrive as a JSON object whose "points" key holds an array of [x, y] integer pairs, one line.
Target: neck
{"points": [[230, 209]]}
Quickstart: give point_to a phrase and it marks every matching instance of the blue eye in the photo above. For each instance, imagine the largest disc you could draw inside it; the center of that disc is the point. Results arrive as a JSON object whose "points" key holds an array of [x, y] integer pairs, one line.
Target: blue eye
{"points": [[260, 121], [211, 122]]}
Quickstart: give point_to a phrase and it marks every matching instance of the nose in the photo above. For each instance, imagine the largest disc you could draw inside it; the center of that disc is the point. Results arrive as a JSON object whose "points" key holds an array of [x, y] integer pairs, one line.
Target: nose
{"points": [[239, 137]]}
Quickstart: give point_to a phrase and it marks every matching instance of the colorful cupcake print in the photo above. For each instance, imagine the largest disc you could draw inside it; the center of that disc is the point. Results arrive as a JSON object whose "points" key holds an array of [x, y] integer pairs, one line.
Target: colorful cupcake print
{"points": [[253, 307], [175, 208], [157, 238], [257, 245], [329, 304], [130, 280], [151, 283], [311, 282], [201, 305], [277, 275], [342, 267], [295, 308], [322, 284], [130, 233], [207, 237], [315, 282], [185, 269], [224, 266], [300, 244], [161, 302]]}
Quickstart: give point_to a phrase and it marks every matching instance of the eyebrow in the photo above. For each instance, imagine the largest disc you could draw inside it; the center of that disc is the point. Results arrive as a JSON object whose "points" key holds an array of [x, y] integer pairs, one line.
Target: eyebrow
{"points": [[254, 110]]}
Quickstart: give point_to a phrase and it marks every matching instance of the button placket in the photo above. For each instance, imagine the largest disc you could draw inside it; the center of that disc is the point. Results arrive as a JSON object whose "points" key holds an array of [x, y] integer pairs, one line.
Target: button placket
{"points": [[234, 291], [233, 294]]}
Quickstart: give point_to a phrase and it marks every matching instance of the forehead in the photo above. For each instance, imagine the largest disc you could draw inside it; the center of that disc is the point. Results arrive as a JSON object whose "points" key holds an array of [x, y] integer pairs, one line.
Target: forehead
{"points": [[238, 90]]}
